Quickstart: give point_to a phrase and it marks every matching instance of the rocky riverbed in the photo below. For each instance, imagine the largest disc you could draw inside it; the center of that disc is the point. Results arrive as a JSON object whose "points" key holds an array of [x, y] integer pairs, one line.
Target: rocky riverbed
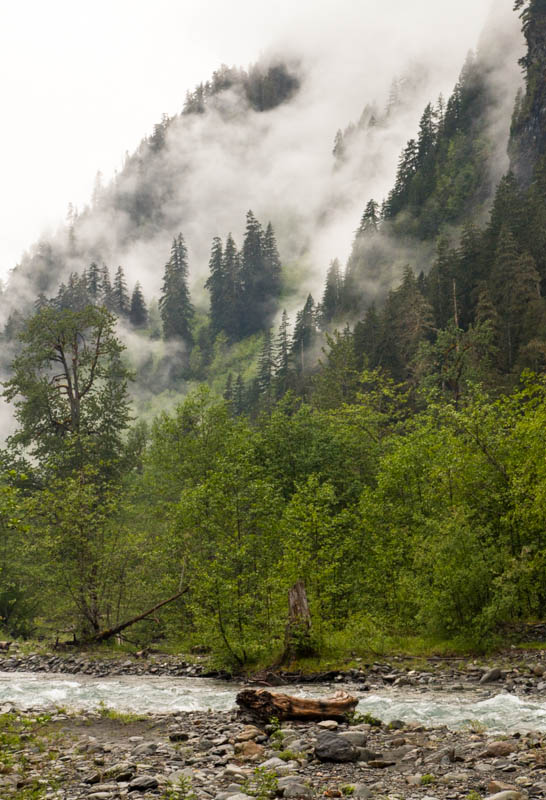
{"points": [[105, 754], [226, 756]]}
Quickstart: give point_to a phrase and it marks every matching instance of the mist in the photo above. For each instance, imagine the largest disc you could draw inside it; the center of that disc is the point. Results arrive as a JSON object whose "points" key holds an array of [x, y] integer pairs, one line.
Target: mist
{"points": [[279, 163]]}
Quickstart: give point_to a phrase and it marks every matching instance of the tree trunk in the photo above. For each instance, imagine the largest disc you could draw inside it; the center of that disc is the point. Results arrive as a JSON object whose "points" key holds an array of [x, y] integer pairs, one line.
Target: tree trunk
{"points": [[264, 705], [101, 636], [297, 637]]}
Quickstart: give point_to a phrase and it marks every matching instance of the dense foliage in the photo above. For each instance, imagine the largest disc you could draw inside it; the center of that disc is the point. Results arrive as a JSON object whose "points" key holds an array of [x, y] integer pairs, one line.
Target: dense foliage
{"points": [[387, 450]]}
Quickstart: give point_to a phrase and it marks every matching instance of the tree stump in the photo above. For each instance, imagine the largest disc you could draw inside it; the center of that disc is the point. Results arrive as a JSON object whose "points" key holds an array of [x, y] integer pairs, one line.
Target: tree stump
{"points": [[297, 638], [264, 705]]}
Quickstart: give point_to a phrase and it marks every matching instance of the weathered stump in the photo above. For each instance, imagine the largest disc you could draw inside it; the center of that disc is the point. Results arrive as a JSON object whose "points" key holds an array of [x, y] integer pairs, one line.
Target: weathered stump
{"points": [[297, 638], [264, 705]]}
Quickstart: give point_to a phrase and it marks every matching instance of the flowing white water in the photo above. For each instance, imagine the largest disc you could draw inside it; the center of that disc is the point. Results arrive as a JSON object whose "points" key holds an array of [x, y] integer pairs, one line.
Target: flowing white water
{"points": [[142, 694]]}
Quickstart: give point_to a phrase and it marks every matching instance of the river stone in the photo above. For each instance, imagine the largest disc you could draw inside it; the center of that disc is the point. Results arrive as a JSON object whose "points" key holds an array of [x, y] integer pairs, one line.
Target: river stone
{"points": [[93, 777], [362, 791], [239, 796], [101, 796], [355, 737], [498, 786], [179, 736], [145, 749], [329, 725], [299, 790], [491, 676], [248, 733], [123, 771], [509, 795], [331, 747], [249, 749], [367, 755], [143, 783], [499, 749]]}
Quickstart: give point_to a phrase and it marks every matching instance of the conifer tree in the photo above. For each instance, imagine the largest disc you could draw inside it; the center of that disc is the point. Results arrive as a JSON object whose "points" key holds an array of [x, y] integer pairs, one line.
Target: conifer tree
{"points": [[331, 299], [252, 271], [174, 304], [272, 279], [231, 306], [282, 356], [93, 277], [239, 397], [217, 286], [366, 338], [305, 333], [138, 314], [266, 369], [106, 296], [120, 295]]}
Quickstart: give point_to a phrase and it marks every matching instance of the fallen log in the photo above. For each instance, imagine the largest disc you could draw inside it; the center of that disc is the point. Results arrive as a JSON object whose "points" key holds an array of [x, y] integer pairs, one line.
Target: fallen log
{"points": [[264, 705], [102, 636]]}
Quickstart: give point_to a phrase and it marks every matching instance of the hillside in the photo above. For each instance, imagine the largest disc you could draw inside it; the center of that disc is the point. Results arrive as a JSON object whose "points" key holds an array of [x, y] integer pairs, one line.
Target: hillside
{"points": [[384, 444]]}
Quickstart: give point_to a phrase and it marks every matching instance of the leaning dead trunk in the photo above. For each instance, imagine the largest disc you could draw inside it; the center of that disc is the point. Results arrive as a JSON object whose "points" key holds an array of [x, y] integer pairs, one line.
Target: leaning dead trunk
{"points": [[264, 705], [297, 637]]}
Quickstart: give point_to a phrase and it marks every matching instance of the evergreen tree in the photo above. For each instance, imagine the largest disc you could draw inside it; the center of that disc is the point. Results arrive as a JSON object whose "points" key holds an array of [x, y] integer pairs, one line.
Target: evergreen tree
{"points": [[93, 277], [138, 314], [272, 278], [120, 295], [331, 299], [305, 334], [231, 306], [266, 369], [239, 400], [370, 219], [174, 304], [252, 270], [216, 284], [366, 339], [106, 295], [282, 356]]}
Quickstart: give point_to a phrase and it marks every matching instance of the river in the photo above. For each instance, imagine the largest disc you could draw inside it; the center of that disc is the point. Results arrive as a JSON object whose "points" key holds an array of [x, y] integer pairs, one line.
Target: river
{"points": [[494, 711]]}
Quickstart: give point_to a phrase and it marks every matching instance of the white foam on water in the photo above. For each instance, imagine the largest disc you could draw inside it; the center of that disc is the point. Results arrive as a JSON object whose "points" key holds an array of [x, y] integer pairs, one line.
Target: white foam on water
{"points": [[141, 694]]}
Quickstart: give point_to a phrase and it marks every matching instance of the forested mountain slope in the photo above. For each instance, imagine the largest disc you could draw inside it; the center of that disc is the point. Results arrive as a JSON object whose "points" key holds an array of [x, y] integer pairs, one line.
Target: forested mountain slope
{"points": [[386, 448]]}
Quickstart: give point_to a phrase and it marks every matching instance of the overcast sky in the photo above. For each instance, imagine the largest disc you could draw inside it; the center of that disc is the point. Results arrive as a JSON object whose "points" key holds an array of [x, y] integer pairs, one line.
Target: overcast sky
{"points": [[84, 82]]}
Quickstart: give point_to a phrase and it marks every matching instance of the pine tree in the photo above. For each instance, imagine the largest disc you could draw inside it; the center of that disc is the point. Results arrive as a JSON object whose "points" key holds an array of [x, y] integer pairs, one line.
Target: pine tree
{"points": [[106, 296], [174, 304], [331, 298], [272, 278], [266, 369], [228, 391], [252, 270], [305, 333], [282, 356], [120, 295], [216, 284], [138, 314], [370, 219], [231, 306], [366, 338], [93, 278], [239, 400]]}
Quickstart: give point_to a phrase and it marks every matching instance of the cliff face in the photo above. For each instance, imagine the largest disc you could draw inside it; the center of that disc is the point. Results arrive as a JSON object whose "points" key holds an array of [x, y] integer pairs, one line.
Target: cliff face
{"points": [[528, 137]]}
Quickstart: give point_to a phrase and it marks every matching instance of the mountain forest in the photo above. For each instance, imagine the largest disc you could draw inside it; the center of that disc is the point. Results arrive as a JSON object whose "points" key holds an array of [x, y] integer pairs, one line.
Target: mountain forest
{"points": [[201, 452]]}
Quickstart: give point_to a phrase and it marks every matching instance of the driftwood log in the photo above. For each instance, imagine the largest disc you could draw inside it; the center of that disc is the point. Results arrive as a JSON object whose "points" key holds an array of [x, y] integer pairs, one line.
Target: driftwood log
{"points": [[264, 705]]}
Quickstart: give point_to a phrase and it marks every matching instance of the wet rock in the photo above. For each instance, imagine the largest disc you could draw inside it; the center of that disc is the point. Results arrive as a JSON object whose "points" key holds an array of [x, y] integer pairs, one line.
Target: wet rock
{"points": [[329, 725], [143, 783], [179, 736], [499, 749], [123, 771], [298, 790], [355, 737], [331, 747], [491, 676]]}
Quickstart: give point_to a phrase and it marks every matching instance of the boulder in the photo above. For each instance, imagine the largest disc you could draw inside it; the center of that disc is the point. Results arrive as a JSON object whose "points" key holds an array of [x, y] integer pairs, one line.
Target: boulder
{"points": [[331, 747]]}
